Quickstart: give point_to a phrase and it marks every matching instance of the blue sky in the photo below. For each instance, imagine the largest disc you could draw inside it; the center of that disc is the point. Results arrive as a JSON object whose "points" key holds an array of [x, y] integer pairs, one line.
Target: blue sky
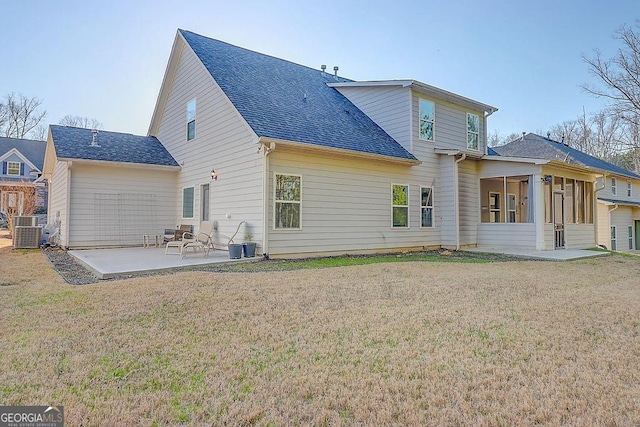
{"points": [[106, 59]]}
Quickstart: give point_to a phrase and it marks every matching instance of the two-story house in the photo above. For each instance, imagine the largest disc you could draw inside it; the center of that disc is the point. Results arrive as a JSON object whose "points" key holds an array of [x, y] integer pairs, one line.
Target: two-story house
{"points": [[313, 163], [22, 163]]}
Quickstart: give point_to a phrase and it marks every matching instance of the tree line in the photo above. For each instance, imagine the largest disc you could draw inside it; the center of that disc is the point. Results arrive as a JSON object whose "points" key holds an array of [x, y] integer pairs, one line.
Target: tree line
{"points": [[22, 117], [612, 134]]}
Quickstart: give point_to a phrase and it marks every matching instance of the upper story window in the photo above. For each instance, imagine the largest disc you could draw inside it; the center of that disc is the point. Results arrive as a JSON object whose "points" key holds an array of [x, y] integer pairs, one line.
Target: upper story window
{"points": [[473, 131], [629, 187], [427, 119], [613, 186], [13, 168], [191, 120]]}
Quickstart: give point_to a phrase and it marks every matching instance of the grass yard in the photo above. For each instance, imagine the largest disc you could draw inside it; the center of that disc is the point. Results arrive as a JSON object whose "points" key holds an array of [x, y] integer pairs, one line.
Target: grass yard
{"points": [[416, 343]]}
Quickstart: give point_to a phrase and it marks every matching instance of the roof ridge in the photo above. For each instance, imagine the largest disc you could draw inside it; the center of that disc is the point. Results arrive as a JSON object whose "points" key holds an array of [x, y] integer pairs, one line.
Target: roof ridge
{"points": [[182, 31]]}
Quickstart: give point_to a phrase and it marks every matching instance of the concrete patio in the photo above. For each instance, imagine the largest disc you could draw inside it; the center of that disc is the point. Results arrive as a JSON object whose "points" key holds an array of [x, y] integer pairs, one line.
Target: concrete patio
{"points": [[557, 255], [107, 263]]}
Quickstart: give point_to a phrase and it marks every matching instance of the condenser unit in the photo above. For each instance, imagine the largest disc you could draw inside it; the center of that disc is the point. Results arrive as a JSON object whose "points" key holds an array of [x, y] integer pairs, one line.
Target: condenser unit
{"points": [[25, 221], [26, 237]]}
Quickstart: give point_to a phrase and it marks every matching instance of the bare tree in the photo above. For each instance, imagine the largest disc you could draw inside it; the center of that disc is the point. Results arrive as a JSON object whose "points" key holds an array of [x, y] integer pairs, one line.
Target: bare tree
{"points": [[495, 139], [20, 115], [80, 122]]}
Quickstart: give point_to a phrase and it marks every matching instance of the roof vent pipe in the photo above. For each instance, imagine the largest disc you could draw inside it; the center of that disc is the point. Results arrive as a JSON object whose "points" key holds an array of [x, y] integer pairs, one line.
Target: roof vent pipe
{"points": [[523, 134], [323, 68], [335, 71], [94, 138]]}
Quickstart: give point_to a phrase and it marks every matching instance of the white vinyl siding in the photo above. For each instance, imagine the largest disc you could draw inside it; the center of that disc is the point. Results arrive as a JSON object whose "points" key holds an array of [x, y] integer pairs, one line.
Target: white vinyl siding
{"points": [[388, 106], [469, 201], [224, 142], [346, 205], [521, 235], [450, 127], [115, 206], [58, 193], [579, 236]]}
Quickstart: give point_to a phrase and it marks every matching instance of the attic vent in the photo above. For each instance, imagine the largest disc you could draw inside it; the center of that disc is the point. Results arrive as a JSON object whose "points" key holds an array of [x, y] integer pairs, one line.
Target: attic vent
{"points": [[335, 71], [94, 138], [323, 67]]}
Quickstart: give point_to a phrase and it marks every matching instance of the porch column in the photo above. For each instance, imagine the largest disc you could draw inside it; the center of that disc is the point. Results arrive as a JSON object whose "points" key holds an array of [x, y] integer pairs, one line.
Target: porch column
{"points": [[538, 210]]}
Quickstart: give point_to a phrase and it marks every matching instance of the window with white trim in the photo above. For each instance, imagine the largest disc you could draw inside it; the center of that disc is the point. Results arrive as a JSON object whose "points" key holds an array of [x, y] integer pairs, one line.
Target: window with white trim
{"points": [[191, 119], [288, 212], [13, 168], [473, 131], [511, 207], [187, 202], [400, 205], [629, 187], [427, 119], [426, 206], [613, 186], [630, 233], [614, 238]]}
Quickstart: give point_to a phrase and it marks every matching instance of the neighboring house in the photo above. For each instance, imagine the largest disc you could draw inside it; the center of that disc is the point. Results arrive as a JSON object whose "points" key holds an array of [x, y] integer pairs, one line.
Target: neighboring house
{"points": [[21, 161], [313, 162], [617, 190]]}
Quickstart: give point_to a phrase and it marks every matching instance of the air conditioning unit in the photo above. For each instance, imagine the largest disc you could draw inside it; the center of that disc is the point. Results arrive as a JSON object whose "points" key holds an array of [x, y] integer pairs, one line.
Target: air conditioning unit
{"points": [[25, 221], [26, 237]]}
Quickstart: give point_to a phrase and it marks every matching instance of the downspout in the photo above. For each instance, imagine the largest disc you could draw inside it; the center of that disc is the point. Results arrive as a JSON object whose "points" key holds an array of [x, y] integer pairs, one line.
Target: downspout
{"points": [[68, 206], [455, 199], [265, 198], [594, 206]]}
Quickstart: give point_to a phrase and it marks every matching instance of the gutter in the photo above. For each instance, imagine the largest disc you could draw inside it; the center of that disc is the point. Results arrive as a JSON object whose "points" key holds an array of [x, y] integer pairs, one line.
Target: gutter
{"points": [[456, 197]]}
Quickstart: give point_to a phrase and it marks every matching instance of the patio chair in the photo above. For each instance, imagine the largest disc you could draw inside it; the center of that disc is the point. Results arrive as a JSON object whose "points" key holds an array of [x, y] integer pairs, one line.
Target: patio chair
{"points": [[199, 241]]}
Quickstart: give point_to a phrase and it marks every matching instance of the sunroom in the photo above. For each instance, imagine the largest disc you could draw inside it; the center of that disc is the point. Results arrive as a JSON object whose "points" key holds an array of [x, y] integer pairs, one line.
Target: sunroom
{"points": [[536, 204]]}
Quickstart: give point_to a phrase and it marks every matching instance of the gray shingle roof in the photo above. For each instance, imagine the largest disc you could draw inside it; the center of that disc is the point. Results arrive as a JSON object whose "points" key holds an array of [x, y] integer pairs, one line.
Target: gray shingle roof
{"points": [[32, 150], [539, 147], [75, 143], [283, 100]]}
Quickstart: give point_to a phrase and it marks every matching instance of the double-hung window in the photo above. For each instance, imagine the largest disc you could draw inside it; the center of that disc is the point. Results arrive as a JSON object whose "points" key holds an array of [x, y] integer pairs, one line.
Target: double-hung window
{"points": [[614, 238], [191, 119], [630, 234], [288, 202], [427, 206], [400, 205], [427, 119], [629, 187], [473, 131], [187, 202], [613, 186], [13, 168]]}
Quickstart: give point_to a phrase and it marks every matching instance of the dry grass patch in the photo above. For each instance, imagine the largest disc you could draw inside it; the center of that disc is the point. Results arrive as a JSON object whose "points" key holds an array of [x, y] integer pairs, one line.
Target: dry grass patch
{"points": [[405, 343]]}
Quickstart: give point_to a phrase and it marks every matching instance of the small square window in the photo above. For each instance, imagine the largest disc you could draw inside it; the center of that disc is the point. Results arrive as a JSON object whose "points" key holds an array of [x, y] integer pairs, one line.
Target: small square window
{"points": [[13, 168]]}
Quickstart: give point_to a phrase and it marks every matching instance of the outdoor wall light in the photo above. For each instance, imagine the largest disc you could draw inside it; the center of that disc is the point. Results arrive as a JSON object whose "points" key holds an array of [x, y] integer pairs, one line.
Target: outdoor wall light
{"points": [[214, 175]]}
